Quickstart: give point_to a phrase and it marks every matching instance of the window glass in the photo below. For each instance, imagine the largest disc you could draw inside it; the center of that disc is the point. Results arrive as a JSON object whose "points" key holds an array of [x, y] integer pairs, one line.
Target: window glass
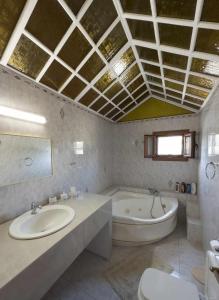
{"points": [[213, 144], [78, 147], [169, 145]]}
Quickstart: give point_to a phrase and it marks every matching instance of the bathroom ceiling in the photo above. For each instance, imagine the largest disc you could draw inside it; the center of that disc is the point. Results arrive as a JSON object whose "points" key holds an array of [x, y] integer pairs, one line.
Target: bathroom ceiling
{"points": [[110, 56]]}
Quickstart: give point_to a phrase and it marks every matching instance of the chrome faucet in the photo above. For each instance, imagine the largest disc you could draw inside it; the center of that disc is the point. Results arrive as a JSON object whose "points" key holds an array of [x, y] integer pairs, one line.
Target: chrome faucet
{"points": [[34, 208]]}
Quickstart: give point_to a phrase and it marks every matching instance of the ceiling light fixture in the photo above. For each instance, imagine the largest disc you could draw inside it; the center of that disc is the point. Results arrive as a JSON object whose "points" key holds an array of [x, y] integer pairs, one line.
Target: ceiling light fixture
{"points": [[21, 115]]}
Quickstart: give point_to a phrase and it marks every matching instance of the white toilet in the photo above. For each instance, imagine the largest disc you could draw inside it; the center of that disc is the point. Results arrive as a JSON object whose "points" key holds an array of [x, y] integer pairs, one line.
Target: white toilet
{"points": [[157, 285]]}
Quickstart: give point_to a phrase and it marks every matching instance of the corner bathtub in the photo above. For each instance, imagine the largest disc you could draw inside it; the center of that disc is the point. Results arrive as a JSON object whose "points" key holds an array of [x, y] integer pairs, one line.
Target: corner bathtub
{"points": [[133, 224]]}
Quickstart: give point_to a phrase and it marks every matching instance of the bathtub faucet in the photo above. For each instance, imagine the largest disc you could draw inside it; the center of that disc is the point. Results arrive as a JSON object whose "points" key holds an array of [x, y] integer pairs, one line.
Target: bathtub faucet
{"points": [[153, 191]]}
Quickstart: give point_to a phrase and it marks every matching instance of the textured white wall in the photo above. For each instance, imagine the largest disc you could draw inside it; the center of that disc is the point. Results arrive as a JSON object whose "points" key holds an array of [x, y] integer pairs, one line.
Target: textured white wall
{"points": [[93, 171], [131, 168], [209, 189]]}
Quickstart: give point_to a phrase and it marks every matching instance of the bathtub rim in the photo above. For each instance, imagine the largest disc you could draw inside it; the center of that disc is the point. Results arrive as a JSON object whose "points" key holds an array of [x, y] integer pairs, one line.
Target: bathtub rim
{"points": [[139, 221], [120, 219]]}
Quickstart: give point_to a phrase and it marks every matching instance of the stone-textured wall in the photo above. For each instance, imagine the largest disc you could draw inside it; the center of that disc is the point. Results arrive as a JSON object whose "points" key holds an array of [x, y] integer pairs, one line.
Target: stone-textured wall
{"points": [[92, 171], [132, 169], [113, 154], [209, 189]]}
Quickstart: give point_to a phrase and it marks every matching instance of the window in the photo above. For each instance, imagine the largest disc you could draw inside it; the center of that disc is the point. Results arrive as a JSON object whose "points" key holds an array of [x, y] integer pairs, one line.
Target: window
{"points": [[213, 144], [78, 148], [170, 145]]}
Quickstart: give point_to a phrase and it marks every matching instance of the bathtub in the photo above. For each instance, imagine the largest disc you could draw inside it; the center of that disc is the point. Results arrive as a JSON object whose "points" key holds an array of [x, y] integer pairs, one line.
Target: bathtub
{"points": [[136, 222]]}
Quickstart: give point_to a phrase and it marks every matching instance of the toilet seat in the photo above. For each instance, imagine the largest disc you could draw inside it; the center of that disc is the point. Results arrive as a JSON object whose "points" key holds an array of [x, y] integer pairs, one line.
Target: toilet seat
{"points": [[157, 285]]}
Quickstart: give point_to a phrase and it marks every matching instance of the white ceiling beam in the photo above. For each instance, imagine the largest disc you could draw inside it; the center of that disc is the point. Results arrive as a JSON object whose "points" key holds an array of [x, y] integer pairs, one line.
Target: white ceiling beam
{"points": [[142, 94], [175, 50], [157, 39], [119, 9], [177, 104], [197, 18], [73, 73], [206, 56], [208, 25], [106, 68], [136, 77], [153, 63], [88, 84], [172, 21], [198, 87], [163, 20], [191, 95], [155, 83], [153, 75], [195, 104], [91, 42], [143, 84]]}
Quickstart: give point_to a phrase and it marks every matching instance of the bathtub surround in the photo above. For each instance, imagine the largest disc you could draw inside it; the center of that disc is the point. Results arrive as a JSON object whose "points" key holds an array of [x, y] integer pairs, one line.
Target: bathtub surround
{"points": [[209, 189], [188, 213], [132, 169], [66, 124]]}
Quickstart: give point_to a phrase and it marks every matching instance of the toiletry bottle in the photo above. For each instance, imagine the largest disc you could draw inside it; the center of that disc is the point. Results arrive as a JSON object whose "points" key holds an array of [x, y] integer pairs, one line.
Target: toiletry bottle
{"points": [[52, 200], [193, 188], [188, 188], [177, 187], [73, 192], [183, 187], [63, 196]]}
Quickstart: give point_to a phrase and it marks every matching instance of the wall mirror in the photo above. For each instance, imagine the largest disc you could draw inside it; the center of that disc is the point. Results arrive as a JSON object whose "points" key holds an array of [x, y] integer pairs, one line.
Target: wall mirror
{"points": [[23, 158]]}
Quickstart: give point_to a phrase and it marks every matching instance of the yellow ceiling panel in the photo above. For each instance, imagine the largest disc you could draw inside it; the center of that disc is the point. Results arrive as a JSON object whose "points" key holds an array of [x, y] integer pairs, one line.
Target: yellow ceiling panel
{"points": [[154, 108]]}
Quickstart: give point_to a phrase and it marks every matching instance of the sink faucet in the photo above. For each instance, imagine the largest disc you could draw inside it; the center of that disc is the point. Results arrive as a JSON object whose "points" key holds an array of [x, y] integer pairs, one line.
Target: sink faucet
{"points": [[35, 207]]}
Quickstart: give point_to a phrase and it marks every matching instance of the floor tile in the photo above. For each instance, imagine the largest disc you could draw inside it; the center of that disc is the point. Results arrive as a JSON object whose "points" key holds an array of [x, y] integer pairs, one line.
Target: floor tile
{"points": [[85, 278]]}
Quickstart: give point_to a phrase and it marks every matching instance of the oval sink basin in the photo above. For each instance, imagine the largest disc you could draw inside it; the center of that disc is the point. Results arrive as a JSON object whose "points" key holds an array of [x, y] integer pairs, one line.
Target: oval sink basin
{"points": [[47, 220]]}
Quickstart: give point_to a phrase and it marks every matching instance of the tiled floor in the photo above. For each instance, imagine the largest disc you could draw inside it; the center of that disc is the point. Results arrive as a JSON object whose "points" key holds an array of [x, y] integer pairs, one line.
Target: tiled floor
{"points": [[85, 280]]}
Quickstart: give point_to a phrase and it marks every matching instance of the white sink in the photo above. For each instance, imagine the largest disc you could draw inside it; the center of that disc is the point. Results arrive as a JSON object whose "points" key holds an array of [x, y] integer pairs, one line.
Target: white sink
{"points": [[47, 220]]}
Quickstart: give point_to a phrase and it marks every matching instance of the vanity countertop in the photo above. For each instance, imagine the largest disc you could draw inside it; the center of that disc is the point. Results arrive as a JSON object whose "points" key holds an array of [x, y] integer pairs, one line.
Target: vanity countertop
{"points": [[17, 255]]}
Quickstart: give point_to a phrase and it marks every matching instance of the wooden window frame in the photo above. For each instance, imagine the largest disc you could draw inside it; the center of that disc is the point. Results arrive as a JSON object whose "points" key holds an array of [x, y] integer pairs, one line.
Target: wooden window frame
{"points": [[185, 133], [169, 157], [146, 137]]}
